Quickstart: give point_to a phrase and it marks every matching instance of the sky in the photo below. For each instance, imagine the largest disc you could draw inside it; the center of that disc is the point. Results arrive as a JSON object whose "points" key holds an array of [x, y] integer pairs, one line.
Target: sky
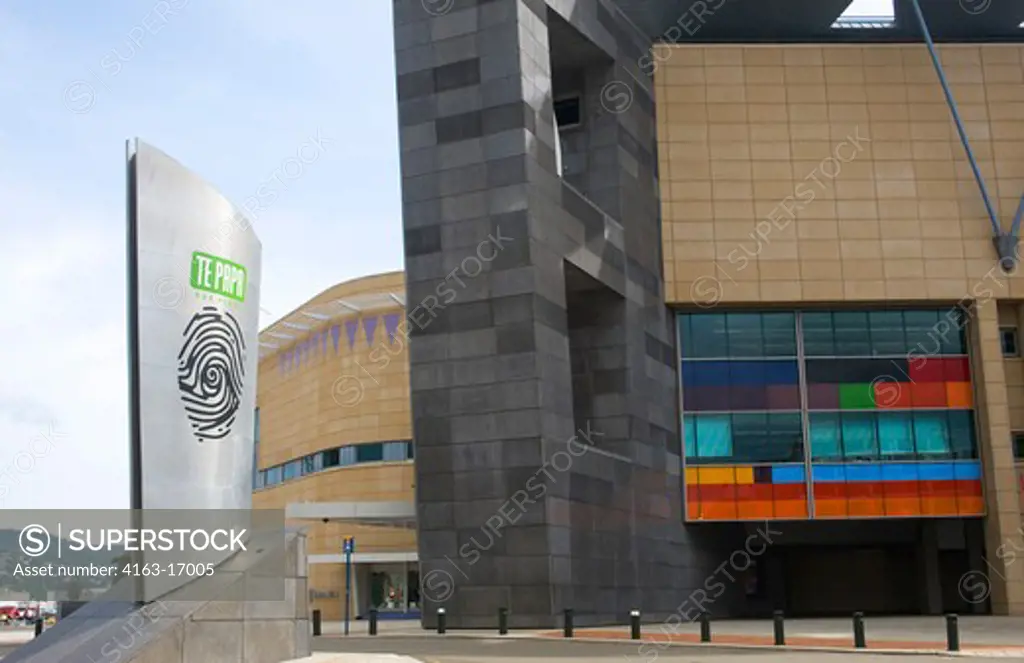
{"points": [[231, 89]]}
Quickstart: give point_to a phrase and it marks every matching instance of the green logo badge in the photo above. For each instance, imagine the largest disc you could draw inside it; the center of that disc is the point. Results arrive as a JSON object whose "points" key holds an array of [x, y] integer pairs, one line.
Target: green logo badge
{"points": [[218, 276]]}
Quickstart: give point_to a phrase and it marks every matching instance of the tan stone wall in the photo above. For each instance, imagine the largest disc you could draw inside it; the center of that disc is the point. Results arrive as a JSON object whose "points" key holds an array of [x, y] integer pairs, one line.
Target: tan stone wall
{"points": [[357, 395], [744, 130], [804, 174]]}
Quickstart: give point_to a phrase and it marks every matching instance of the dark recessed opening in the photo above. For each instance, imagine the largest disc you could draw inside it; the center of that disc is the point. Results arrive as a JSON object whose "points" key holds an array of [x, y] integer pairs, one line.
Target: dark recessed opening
{"points": [[567, 112]]}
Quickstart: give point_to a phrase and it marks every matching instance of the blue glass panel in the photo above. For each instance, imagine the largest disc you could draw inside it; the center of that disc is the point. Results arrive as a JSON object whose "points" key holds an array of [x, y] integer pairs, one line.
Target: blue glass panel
{"points": [[781, 372], [714, 436], [931, 433], [686, 344], [347, 456], [707, 373], [690, 437], [863, 472], [788, 474], [859, 436], [935, 471], [747, 373], [895, 434], [900, 472], [825, 439], [828, 473], [967, 470]]}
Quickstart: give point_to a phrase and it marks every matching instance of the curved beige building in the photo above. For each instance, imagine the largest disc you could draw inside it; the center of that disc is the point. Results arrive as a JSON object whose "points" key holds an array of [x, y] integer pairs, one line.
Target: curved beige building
{"points": [[334, 441]]}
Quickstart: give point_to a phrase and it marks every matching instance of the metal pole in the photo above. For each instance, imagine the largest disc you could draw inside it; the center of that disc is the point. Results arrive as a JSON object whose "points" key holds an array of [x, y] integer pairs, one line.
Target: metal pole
{"points": [[858, 630], [317, 624], [502, 621], [952, 633], [348, 586], [634, 624], [956, 117], [373, 621], [705, 627], [442, 625], [567, 626], [780, 628]]}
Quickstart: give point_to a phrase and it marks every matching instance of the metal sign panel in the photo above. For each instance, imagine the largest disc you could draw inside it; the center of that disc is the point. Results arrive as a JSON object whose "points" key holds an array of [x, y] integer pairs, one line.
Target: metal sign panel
{"points": [[194, 291]]}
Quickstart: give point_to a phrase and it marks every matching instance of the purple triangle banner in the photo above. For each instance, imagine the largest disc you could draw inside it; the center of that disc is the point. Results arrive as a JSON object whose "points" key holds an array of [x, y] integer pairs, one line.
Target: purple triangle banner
{"points": [[323, 338], [370, 329], [351, 327], [335, 335], [391, 326], [314, 344]]}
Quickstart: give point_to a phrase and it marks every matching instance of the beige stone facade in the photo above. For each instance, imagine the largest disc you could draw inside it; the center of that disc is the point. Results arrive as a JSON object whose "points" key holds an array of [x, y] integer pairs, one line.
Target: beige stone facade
{"points": [[805, 175], [335, 399]]}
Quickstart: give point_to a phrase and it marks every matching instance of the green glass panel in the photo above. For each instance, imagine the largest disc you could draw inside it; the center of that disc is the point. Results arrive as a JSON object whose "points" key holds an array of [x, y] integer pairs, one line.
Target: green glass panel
{"points": [[856, 396]]}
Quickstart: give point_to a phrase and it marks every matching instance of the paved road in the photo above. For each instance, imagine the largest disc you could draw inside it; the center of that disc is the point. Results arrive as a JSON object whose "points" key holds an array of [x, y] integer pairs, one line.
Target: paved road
{"points": [[514, 650]]}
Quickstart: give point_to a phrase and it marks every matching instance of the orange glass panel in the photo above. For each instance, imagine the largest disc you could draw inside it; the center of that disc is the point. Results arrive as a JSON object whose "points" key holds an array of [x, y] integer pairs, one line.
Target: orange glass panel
{"points": [[755, 510], [693, 510], [939, 506], [691, 476], [796, 509], [928, 394], [717, 475], [867, 507], [970, 506], [902, 506], [831, 509], [959, 395], [718, 510], [890, 395]]}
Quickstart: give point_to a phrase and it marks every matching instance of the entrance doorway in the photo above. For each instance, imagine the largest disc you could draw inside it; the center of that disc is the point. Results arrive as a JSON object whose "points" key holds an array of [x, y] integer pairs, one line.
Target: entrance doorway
{"points": [[394, 588]]}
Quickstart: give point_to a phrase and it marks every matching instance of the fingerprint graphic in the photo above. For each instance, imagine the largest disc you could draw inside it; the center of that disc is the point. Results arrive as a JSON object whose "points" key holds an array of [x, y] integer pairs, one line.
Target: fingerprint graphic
{"points": [[211, 370]]}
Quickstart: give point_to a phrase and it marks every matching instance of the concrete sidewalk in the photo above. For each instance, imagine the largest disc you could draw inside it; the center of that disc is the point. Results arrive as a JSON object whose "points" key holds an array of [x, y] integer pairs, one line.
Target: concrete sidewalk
{"points": [[321, 657]]}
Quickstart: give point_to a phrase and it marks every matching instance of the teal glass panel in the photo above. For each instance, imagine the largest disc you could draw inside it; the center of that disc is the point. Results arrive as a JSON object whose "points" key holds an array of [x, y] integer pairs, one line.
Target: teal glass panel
{"points": [[826, 442], [887, 334], [714, 436], [895, 434], [931, 433], [708, 336], [690, 437], [962, 439], [779, 334], [860, 441], [819, 337], [745, 335]]}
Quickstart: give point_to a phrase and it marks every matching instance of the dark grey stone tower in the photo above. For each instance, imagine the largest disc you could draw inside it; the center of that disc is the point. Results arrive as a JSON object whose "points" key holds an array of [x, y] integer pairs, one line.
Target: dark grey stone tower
{"points": [[536, 309]]}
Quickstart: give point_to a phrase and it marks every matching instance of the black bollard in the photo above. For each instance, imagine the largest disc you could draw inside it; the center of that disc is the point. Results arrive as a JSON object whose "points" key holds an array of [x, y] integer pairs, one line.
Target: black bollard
{"points": [[317, 623], [952, 633], [858, 630], [634, 624], [567, 627], [502, 621], [705, 627], [39, 627], [373, 621], [442, 619], [780, 628]]}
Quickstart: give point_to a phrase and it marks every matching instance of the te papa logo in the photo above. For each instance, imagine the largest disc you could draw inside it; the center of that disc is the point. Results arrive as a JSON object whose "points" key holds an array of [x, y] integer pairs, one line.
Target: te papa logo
{"points": [[218, 276], [211, 362]]}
